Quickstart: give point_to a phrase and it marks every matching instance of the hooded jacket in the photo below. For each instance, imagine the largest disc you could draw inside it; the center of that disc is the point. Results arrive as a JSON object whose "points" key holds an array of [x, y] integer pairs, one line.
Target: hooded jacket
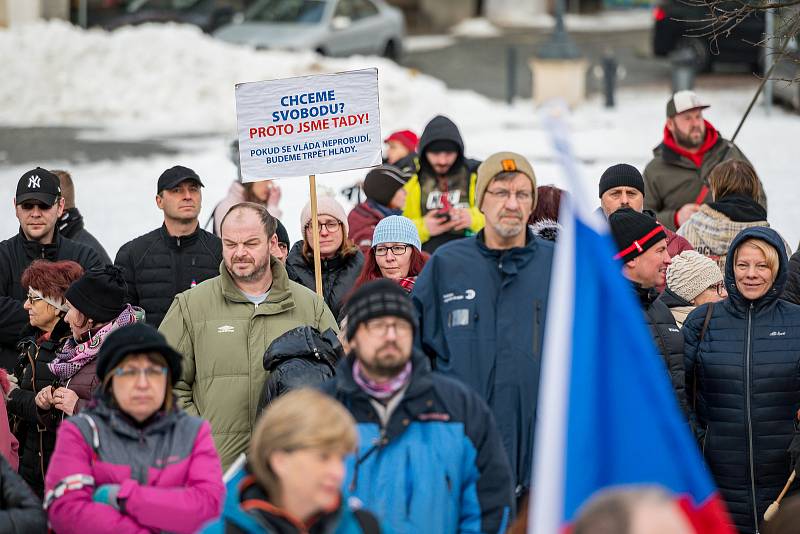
{"points": [[222, 337], [302, 357], [248, 511], [678, 306], [168, 472], [20, 511], [437, 465], [461, 182], [71, 225], [158, 266], [672, 180], [338, 274], [16, 254], [746, 373], [712, 229], [482, 315]]}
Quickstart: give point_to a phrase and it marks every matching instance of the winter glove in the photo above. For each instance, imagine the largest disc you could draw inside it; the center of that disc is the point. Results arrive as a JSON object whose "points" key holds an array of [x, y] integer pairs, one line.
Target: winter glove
{"points": [[107, 494]]}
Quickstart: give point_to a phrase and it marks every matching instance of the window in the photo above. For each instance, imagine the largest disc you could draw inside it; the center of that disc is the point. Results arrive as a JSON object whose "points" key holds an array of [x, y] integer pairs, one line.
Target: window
{"points": [[287, 11]]}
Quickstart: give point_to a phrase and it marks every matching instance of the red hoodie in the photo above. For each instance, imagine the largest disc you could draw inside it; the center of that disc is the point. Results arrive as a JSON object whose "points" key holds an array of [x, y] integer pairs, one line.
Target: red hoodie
{"points": [[712, 136]]}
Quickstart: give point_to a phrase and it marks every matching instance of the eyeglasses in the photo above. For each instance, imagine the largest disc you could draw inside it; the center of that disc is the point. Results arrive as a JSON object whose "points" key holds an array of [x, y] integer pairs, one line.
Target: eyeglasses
{"points": [[28, 206], [132, 373], [34, 297], [380, 327], [397, 250], [719, 287], [330, 226], [504, 194]]}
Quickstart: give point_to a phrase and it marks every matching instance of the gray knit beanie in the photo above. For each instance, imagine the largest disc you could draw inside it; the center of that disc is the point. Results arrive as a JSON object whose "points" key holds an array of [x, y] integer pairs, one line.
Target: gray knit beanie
{"points": [[691, 273]]}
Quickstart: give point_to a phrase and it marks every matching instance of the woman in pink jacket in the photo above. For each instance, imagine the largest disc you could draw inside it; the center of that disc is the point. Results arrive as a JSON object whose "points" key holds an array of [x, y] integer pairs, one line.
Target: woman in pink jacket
{"points": [[132, 461]]}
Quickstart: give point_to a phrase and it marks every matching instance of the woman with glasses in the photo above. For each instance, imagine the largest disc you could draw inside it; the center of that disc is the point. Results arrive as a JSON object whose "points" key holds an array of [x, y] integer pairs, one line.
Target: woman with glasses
{"points": [[341, 259], [396, 253], [742, 358], [96, 304], [46, 283], [133, 461], [692, 280]]}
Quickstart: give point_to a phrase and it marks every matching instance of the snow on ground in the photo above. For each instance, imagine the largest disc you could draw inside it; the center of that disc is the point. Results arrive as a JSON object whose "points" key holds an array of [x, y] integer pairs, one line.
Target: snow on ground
{"points": [[175, 82], [475, 27]]}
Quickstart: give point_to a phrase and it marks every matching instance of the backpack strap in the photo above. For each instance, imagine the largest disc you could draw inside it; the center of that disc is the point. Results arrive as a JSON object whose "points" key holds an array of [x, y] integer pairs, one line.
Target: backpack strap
{"points": [[707, 320]]}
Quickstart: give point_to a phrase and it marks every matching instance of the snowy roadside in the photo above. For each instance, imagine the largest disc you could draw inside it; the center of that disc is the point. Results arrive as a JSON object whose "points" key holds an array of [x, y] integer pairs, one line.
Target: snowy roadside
{"points": [[175, 82]]}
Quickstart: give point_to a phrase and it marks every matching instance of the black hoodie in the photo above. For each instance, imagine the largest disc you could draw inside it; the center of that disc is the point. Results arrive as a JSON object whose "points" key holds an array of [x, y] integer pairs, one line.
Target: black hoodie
{"points": [[71, 225]]}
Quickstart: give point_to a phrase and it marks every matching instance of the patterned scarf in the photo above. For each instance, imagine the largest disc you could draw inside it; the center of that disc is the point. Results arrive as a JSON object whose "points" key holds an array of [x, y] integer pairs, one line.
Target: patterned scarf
{"points": [[73, 355], [407, 283], [381, 390]]}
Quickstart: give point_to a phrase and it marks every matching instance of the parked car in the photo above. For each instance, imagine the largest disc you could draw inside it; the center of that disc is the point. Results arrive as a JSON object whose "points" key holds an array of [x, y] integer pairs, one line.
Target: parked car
{"points": [[329, 27], [207, 14], [678, 24]]}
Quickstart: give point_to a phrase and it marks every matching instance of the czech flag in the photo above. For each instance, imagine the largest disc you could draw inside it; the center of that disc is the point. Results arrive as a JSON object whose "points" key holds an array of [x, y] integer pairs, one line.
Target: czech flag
{"points": [[607, 413]]}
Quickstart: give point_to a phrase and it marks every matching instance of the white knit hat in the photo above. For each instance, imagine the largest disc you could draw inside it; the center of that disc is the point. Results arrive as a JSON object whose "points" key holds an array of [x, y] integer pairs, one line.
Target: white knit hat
{"points": [[326, 205], [691, 273]]}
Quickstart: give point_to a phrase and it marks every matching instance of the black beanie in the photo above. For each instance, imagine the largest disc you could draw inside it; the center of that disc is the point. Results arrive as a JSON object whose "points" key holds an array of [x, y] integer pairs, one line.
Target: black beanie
{"points": [[283, 235], [379, 298], [99, 294], [381, 183], [620, 175], [634, 233], [133, 339]]}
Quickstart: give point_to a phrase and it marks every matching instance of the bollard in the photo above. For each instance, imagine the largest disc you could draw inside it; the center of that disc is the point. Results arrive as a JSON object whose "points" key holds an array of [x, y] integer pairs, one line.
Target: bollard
{"points": [[511, 74], [683, 69], [610, 67]]}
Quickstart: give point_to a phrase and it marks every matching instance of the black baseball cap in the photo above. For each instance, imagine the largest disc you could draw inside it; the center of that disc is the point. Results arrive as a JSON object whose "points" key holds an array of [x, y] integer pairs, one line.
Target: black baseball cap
{"points": [[175, 175], [38, 184]]}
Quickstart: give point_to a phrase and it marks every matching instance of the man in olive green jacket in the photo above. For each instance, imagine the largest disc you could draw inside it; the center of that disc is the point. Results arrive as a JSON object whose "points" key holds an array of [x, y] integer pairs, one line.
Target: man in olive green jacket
{"points": [[223, 326], [676, 179]]}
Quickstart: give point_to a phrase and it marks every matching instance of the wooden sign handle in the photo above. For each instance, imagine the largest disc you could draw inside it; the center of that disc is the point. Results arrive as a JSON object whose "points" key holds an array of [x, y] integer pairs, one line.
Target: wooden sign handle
{"points": [[312, 182]]}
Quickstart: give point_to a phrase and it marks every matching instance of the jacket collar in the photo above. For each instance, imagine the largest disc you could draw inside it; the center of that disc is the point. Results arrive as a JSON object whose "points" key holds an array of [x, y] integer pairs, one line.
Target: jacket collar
{"points": [[647, 295], [673, 300], [739, 208], [420, 383], [512, 260], [71, 222], [280, 296], [34, 249], [121, 424], [179, 241]]}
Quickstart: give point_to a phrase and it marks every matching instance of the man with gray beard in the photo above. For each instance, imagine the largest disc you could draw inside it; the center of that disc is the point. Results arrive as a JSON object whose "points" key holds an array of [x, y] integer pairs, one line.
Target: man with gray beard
{"points": [[481, 303], [223, 326]]}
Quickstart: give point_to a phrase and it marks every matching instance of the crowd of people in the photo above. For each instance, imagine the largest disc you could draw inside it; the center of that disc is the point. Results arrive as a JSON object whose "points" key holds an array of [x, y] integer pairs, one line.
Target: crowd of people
{"points": [[403, 397]]}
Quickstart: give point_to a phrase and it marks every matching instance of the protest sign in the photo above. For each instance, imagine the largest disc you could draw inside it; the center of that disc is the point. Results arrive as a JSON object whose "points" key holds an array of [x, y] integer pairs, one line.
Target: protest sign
{"points": [[308, 125]]}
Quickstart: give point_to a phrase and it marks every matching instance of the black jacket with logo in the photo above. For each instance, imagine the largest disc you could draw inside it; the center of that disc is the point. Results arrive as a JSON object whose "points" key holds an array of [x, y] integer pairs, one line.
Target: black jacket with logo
{"points": [[158, 266], [16, 254]]}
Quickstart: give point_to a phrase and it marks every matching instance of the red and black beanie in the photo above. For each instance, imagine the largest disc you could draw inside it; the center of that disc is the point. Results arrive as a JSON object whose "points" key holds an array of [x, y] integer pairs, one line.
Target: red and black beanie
{"points": [[634, 233]]}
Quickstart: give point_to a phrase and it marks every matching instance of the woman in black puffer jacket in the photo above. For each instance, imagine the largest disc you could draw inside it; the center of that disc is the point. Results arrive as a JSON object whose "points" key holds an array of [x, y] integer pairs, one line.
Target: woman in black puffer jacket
{"points": [[743, 377], [342, 260]]}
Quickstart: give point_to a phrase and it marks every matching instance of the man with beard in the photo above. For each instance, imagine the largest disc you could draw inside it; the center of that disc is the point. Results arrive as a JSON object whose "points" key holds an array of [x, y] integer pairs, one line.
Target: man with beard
{"points": [[429, 457], [642, 247], [175, 257], [482, 301], [441, 195], [676, 179], [223, 326]]}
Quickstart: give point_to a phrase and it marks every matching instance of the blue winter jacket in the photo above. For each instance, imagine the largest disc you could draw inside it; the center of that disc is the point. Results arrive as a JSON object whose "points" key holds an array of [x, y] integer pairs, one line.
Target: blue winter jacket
{"points": [[746, 375], [438, 467], [482, 317], [236, 520]]}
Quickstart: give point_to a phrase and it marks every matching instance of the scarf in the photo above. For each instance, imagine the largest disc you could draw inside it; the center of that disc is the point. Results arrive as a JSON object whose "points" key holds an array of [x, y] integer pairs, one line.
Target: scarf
{"points": [[407, 283], [381, 390], [73, 355]]}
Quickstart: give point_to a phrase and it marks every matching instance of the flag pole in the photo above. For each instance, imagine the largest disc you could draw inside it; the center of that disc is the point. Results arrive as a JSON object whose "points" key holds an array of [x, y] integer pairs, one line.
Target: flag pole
{"points": [[312, 183]]}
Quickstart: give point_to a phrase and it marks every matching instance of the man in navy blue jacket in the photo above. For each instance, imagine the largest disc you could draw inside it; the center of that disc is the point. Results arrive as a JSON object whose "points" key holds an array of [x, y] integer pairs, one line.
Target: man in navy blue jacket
{"points": [[429, 457], [481, 304]]}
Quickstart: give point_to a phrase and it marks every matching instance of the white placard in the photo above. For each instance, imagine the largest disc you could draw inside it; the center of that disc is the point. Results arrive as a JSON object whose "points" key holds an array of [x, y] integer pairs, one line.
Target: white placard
{"points": [[308, 125]]}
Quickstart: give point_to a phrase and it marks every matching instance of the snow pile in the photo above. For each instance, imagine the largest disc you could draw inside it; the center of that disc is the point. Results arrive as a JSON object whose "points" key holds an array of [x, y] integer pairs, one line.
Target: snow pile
{"points": [[476, 27], [175, 78]]}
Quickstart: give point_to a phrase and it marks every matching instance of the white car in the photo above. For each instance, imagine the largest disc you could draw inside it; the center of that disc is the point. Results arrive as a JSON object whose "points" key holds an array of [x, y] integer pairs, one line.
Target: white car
{"points": [[330, 27]]}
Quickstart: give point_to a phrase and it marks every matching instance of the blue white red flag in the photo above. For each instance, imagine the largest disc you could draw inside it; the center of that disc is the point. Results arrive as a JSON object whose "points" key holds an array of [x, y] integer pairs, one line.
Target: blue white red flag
{"points": [[607, 413]]}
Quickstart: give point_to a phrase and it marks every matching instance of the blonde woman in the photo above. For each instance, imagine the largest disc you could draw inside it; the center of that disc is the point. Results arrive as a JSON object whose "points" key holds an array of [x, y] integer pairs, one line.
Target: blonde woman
{"points": [[295, 469]]}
